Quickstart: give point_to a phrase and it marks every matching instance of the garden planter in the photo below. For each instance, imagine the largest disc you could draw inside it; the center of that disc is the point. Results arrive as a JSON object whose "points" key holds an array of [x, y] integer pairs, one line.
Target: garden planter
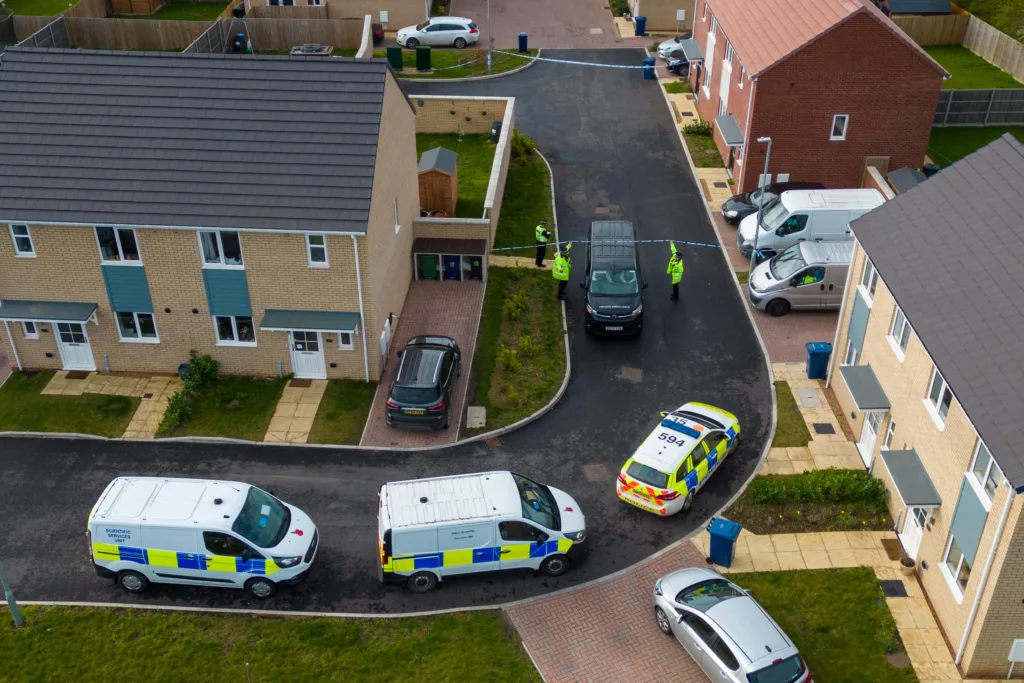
{"points": [[908, 566]]}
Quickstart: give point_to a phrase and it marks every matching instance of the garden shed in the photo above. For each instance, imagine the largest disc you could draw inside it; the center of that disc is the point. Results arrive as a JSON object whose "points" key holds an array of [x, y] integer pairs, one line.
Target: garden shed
{"points": [[439, 180]]}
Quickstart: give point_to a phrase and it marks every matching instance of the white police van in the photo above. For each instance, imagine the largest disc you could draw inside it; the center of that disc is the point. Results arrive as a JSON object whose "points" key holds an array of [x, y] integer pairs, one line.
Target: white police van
{"points": [[195, 532], [431, 529]]}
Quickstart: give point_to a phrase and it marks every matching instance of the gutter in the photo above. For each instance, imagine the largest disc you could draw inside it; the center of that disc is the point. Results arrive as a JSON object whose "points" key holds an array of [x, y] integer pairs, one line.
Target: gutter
{"points": [[362, 316], [750, 118], [14, 349]]}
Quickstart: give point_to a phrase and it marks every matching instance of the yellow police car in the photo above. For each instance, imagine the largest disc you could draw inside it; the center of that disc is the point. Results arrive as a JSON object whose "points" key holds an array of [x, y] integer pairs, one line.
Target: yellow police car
{"points": [[679, 456]]}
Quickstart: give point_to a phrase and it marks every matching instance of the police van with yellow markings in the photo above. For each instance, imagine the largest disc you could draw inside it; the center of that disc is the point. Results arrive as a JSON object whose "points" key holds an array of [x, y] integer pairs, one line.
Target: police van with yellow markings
{"points": [[433, 529], [678, 458], [146, 530]]}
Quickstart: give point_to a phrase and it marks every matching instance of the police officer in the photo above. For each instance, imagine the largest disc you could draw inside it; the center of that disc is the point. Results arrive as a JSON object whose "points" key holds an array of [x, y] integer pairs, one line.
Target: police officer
{"points": [[675, 269], [542, 242], [562, 269]]}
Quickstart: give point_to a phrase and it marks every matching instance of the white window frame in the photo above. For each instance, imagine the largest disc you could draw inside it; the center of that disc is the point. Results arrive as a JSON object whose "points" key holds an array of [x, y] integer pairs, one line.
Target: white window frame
{"points": [[138, 326], [220, 250], [933, 408], [743, 76], [729, 53], [326, 263], [845, 118], [979, 483], [896, 337], [24, 329], [120, 248], [847, 361], [951, 578], [868, 275], [890, 434], [398, 225], [713, 31], [351, 341], [704, 16], [31, 253], [234, 331], [315, 3]]}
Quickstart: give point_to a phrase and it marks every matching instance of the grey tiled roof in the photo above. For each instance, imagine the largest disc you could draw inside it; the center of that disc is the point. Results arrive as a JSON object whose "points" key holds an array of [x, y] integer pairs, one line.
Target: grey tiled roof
{"points": [[440, 159], [951, 251], [193, 140]]}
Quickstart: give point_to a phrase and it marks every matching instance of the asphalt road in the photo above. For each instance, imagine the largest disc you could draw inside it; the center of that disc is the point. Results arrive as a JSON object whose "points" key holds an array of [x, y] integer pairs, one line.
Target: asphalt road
{"points": [[610, 140]]}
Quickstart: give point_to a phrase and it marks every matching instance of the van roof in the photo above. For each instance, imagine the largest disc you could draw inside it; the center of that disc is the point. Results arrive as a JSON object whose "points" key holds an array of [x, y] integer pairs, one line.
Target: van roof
{"points": [[611, 244], [622, 230], [840, 253], [172, 501], [451, 499], [802, 200]]}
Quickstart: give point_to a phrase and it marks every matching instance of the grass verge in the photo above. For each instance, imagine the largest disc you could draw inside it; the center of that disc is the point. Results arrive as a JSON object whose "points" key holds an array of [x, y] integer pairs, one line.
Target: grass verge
{"points": [[446, 63], [837, 619], [527, 201], [182, 11], [744, 276], [69, 644], [38, 8], [969, 71], [232, 407], [703, 150], [519, 362], [791, 431], [476, 155], [947, 145], [24, 409], [342, 413], [677, 88]]}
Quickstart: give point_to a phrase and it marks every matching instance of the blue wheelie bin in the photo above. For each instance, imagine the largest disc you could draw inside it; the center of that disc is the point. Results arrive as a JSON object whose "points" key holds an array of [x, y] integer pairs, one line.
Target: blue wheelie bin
{"points": [[723, 541], [648, 68], [640, 26], [817, 359], [522, 42]]}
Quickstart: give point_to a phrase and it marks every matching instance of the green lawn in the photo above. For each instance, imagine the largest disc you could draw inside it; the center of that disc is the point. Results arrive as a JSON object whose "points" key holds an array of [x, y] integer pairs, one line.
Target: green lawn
{"points": [[232, 407], [1005, 15], [476, 156], [182, 11], [703, 150], [743, 276], [444, 62], [534, 359], [38, 8], [791, 431], [527, 201], [342, 413], [96, 645], [969, 71], [677, 88], [954, 143], [23, 409], [838, 620]]}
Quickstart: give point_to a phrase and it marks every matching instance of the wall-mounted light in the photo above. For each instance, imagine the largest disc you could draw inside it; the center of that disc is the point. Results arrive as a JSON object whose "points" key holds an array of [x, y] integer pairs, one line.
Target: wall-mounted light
{"points": [[195, 311], [167, 310]]}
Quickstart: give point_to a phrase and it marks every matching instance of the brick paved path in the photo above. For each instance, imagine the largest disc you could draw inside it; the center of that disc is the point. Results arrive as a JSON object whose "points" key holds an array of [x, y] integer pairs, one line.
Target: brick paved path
{"points": [[5, 367], [451, 309]]}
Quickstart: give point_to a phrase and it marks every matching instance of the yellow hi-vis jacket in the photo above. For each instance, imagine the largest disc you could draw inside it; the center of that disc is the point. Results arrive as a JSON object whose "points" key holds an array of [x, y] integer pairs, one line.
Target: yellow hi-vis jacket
{"points": [[675, 265]]}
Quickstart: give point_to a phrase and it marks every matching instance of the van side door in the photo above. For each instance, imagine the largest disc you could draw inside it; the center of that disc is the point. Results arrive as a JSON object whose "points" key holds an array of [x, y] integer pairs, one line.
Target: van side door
{"points": [[467, 548], [230, 560], [793, 230], [523, 545], [807, 288], [173, 555]]}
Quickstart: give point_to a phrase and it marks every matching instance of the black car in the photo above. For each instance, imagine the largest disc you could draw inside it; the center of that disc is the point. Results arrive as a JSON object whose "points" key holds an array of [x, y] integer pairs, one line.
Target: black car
{"points": [[378, 33], [422, 393], [677, 63], [739, 206], [614, 289]]}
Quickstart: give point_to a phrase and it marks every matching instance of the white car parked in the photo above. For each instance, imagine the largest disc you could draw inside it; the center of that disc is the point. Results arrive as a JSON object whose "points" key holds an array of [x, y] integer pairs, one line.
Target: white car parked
{"points": [[455, 31]]}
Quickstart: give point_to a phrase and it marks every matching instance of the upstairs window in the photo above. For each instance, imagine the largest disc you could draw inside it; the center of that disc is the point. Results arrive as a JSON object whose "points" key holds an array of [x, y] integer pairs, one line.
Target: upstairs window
{"points": [[118, 245], [868, 281], [316, 251], [985, 470], [839, 123], [939, 399], [221, 249], [899, 333], [22, 238]]}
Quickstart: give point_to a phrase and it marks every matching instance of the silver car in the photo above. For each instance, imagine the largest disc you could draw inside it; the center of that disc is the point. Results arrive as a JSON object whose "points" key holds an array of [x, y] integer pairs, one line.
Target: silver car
{"points": [[726, 632], [444, 31], [667, 47]]}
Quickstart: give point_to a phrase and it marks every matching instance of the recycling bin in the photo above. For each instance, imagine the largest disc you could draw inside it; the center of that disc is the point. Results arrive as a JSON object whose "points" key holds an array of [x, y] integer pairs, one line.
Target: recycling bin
{"points": [[522, 42], [423, 58], [640, 25], [495, 132], [723, 541], [648, 68], [818, 354], [394, 53]]}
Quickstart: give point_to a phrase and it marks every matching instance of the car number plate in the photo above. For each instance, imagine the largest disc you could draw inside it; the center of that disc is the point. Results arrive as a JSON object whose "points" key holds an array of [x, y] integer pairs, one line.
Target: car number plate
{"points": [[638, 504], [413, 412], [614, 328]]}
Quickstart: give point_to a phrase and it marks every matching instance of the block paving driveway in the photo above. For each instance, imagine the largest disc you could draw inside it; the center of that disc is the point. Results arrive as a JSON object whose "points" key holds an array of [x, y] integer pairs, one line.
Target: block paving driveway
{"points": [[563, 24]]}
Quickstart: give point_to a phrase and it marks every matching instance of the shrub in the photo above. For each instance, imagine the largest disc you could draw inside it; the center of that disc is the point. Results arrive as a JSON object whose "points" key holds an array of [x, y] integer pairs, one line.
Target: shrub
{"points": [[179, 408], [818, 486], [698, 128], [526, 346], [509, 358], [522, 146], [201, 370], [515, 305], [513, 395]]}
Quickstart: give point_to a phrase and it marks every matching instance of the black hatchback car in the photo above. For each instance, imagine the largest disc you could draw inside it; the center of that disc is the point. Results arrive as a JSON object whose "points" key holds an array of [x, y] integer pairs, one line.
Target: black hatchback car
{"points": [[422, 393], [614, 297], [739, 206]]}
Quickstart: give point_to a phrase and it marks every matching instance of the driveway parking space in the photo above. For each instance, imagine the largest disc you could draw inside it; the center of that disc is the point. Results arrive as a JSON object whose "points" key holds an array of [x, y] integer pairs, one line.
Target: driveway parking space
{"points": [[564, 24], [451, 309]]}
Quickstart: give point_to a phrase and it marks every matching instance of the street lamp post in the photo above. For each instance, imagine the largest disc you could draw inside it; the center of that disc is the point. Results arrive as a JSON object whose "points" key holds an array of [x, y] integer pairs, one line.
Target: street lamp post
{"points": [[488, 36], [19, 621], [760, 205]]}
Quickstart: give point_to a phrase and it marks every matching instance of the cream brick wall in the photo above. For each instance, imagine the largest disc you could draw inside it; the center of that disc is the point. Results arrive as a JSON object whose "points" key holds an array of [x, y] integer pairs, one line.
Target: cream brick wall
{"points": [[436, 115], [504, 156], [463, 229], [946, 455]]}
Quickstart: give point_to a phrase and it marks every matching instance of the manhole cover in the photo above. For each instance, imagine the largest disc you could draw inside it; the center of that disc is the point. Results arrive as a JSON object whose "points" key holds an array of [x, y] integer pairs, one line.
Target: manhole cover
{"points": [[824, 428], [601, 211], [893, 588], [808, 398], [492, 442], [596, 31], [686, 113], [631, 374], [476, 417], [595, 472], [147, 396], [720, 185]]}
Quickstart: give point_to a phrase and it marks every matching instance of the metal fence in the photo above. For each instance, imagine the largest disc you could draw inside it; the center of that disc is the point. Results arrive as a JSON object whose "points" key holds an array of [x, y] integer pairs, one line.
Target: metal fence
{"points": [[980, 107], [210, 42], [54, 34]]}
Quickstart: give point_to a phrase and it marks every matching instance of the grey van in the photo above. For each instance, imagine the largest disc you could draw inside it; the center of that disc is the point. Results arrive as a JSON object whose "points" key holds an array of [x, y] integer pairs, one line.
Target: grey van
{"points": [[808, 275], [614, 299]]}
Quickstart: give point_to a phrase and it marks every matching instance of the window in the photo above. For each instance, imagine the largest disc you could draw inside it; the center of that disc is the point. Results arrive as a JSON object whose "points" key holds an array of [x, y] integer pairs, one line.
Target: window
{"points": [[316, 251], [957, 570], [29, 330], [743, 76], [707, 81], [708, 594], [118, 246], [792, 225], [700, 627], [985, 470], [224, 545], [868, 281], [851, 353], [264, 520], [306, 341], [398, 226], [704, 16], [713, 439], [137, 327], [939, 399], [519, 531], [889, 434], [221, 249], [22, 238], [345, 341], [725, 655], [234, 330], [899, 333], [714, 26], [839, 122], [729, 54]]}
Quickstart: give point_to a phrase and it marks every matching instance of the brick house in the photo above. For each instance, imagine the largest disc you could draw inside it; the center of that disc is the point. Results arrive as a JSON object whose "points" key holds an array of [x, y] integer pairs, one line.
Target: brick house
{"points": [[834, 83], [927, 367], [258, 209]]}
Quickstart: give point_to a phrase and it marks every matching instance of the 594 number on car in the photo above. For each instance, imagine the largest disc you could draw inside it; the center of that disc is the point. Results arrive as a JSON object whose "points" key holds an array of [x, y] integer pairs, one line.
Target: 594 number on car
{"points": [[670, 438]]}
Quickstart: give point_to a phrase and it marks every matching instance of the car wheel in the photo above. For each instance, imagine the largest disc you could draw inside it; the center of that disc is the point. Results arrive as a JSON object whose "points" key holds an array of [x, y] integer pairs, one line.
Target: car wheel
{"points": [[133, 582], [422, 582], [447, 421], [412, 43], [735, 444], [556, 565], [664, 625], [777, 307], [687, 502], [460, 43], [261, 589]]}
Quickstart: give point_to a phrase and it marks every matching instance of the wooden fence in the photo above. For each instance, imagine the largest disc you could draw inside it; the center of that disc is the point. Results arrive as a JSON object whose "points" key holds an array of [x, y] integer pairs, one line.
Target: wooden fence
{"points": [[995, 47], [25, 26], [54, 34], [133, 34], [135, 6], [284, 34], [941, 29], [995, 107]]}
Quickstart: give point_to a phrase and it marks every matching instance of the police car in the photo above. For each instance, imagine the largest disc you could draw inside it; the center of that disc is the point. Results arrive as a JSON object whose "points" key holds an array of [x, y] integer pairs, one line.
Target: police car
{"points": [[679, 457]]}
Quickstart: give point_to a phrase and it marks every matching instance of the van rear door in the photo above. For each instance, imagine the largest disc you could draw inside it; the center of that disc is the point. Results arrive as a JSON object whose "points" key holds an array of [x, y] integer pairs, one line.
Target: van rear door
{"points": [[832, 225]]}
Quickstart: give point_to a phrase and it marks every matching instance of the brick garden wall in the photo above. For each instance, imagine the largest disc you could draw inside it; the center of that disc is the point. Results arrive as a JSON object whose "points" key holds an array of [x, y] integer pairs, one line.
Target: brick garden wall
{"points": [[435, 114]]}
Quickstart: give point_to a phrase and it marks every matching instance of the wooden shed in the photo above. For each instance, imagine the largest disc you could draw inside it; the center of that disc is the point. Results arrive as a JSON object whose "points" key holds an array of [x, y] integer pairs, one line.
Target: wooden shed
{"points": [[439, 180]]}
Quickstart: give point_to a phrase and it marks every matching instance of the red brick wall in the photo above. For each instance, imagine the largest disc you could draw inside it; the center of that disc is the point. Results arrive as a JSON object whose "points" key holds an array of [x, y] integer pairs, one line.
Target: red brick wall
{"points": [[860, 69]]}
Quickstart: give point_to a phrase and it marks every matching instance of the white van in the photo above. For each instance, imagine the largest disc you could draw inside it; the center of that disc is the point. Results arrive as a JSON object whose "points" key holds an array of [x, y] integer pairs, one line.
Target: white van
{"points": [[805, 215], [146, 530], [430, 529], [807, 276]]}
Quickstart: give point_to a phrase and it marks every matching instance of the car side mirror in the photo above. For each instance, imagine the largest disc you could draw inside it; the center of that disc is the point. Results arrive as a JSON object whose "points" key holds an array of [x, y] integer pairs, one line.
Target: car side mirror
{"points": [[399, 354], [542, 539], [663, 414], [249, 555], [644, 286], [583, 285], [681, 617]]}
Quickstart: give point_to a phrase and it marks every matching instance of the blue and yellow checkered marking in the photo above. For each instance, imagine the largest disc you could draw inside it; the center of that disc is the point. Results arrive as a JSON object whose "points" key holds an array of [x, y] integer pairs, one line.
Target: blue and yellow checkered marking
{"points": [[174, 560], [460, 558]]}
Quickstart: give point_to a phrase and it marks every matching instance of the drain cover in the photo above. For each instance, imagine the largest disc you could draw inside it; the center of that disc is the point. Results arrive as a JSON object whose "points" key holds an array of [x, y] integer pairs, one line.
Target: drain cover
{"points": [[808, 398], [631, 374], [596, 31], [147, 396], [893, 588], [720, 185], [686, 113], [824, 428]]}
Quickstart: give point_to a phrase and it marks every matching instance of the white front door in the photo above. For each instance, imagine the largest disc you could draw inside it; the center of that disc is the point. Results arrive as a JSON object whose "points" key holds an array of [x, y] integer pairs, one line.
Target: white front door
{"points": [[307, 355], [866, 445], [913, 530], [73, 343]]}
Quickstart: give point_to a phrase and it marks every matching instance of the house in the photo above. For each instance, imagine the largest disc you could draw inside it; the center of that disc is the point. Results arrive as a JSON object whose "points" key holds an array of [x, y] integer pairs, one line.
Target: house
{"points": [[929, 371], [834, 84], [258, 209]]}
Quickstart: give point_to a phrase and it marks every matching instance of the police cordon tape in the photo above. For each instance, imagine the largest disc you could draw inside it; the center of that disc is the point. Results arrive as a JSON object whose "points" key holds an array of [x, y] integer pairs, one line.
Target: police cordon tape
{"points": [[574, 63]]}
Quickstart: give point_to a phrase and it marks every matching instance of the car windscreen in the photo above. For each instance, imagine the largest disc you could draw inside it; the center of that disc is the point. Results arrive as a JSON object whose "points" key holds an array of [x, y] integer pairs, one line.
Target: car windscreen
{"points": [[788, 263], [415, 394], [264, 520], [614, 282], [706, 595], [774, 214], [785, 671], [420, 27], [538, 503], [647, 475]]}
